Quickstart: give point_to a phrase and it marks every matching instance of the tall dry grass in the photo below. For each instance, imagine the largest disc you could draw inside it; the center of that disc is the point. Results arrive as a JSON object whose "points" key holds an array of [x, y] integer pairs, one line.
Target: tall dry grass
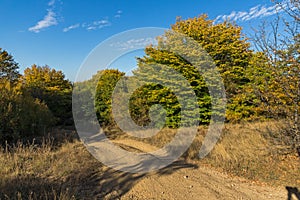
{"points": [[43, 171], [246, 150]]}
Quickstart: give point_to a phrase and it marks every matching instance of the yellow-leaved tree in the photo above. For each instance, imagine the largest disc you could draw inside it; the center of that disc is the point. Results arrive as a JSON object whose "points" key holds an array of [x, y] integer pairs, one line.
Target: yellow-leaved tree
{"points": [[51, 87]]}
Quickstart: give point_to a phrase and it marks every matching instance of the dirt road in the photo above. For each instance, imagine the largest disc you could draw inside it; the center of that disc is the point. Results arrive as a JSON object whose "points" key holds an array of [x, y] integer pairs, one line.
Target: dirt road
{"points": [[183, 180]]}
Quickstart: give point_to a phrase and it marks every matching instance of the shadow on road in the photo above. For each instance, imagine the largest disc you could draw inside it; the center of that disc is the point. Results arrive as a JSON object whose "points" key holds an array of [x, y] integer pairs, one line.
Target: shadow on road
{"points": [[114, 184], [293, 191], [91, 182]]}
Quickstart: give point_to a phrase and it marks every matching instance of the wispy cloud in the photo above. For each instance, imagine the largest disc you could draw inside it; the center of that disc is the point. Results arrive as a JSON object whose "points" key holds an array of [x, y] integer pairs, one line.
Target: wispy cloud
{"points": [[118, 14], [134, 43], [48, 20], [95, 25], [258, 11], [74, 26], [51, 3]]}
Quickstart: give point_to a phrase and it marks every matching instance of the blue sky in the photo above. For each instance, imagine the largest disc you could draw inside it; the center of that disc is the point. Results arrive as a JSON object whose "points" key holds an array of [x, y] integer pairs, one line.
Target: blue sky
{"points": [[61, 33]]}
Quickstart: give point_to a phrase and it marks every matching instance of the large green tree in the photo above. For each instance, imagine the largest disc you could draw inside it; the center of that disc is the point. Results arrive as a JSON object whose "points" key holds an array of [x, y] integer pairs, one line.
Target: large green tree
{"points": [[230, 52]]}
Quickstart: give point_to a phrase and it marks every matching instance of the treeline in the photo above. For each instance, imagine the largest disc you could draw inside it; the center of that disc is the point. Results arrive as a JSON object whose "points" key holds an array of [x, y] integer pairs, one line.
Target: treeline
{"points": [[31, 103], [260, 84], [249, 77]]}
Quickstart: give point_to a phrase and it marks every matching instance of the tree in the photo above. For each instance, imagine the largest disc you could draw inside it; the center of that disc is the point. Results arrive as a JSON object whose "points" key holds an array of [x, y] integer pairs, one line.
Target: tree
{"points": [[227, 47], [103, 97], [50, 86], [149, 95], [8, 67], [291, 7], [21, 116], [279, 41]]}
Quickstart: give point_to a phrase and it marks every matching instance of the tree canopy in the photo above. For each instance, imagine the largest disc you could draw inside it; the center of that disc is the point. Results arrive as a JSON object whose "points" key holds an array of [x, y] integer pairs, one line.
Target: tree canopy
{"points": [[227, 47], [50, 86]]}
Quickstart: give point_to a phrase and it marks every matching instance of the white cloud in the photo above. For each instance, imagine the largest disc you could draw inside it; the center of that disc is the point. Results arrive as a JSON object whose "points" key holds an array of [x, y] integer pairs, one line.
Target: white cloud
{"points": [[258, 11], [135, 43], [95, 25], [51, 3], [49, 20], [91, 28], [118, 14], [101, 22], [71, 27]]}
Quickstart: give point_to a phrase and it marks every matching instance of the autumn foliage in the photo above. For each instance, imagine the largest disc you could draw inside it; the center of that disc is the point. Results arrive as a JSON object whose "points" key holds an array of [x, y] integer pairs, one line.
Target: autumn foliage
{"points": [[257, 86]]}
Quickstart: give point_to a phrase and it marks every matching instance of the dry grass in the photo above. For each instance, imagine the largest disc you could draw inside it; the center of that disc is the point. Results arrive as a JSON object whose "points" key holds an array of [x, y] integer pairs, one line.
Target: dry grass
{"points": [[68, 171], [43, 171], [245, 150]]}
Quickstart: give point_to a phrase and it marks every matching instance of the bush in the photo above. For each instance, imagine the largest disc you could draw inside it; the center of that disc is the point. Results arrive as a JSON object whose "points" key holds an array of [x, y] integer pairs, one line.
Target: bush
{"points": [[21, 116]]}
